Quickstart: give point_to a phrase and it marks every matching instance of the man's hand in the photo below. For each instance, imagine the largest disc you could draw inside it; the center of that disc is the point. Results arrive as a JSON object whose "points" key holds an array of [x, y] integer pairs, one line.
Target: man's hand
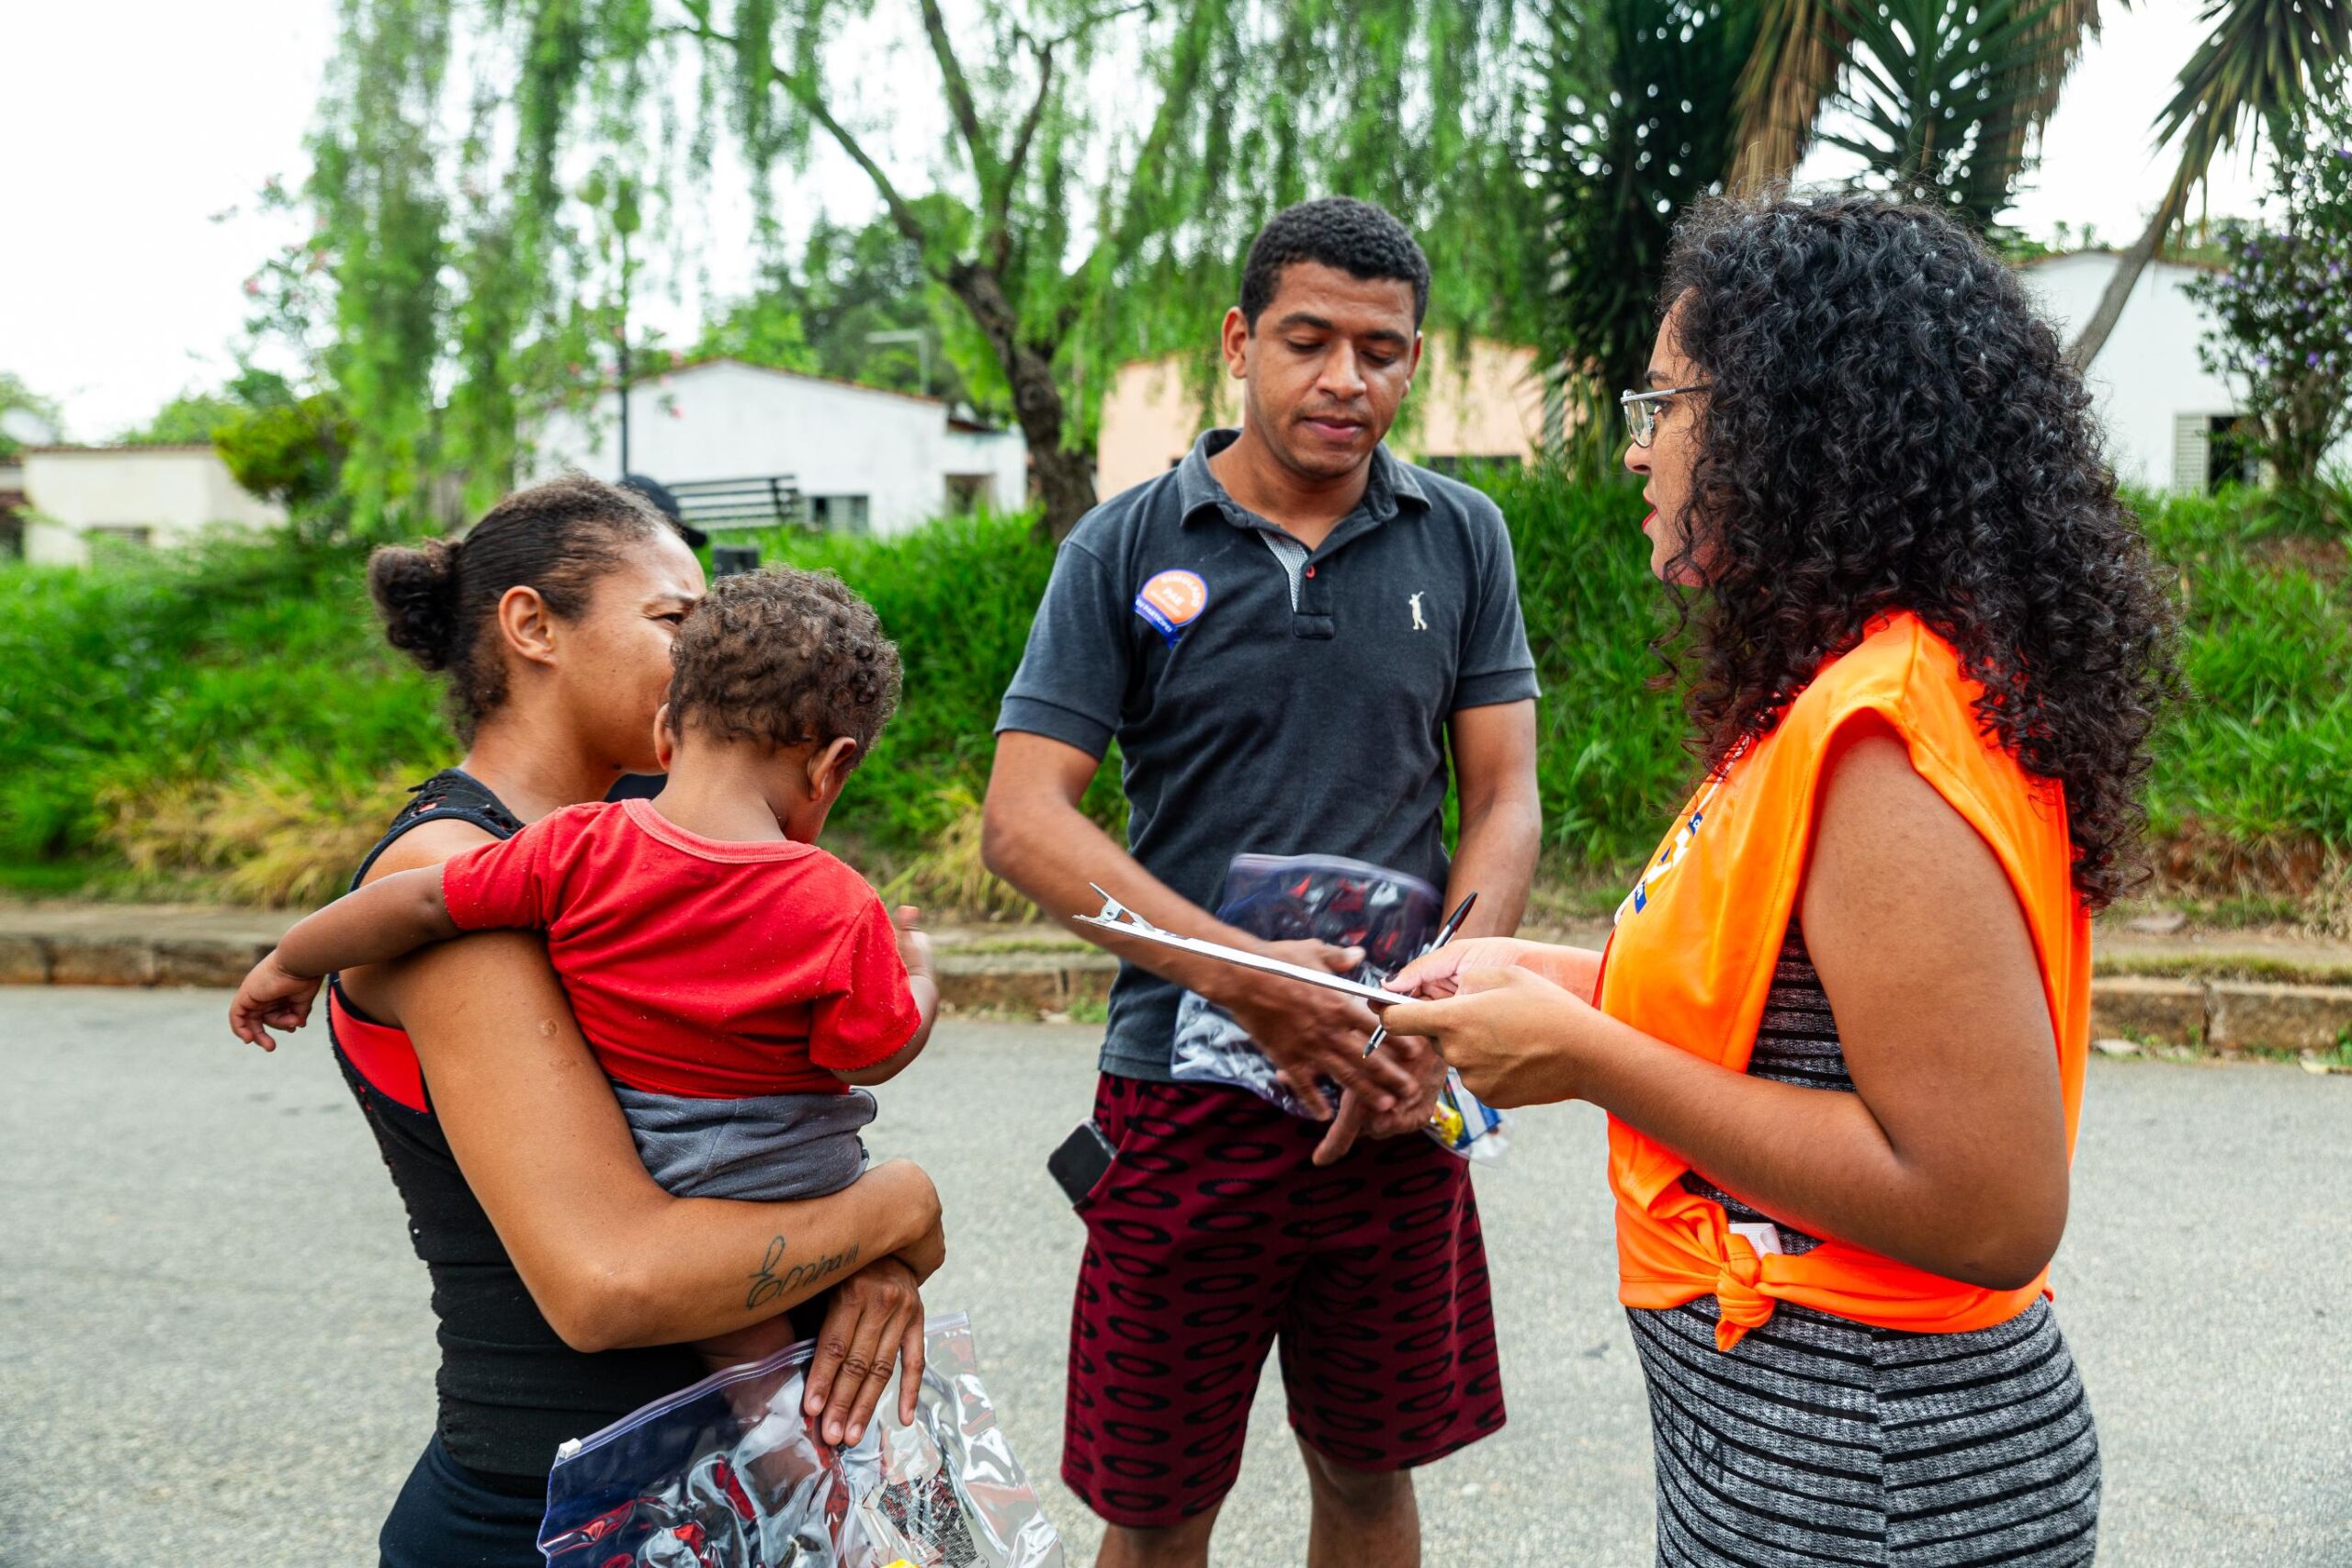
{"points": [[1310, 1033], [271, 996], [1411, 1114], [871, 1318]]}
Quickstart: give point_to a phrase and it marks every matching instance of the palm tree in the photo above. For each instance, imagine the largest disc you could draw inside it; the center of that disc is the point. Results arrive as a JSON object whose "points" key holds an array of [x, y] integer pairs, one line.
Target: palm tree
{"points": [[1647, 105], [2258, 64], [1942, 95]]}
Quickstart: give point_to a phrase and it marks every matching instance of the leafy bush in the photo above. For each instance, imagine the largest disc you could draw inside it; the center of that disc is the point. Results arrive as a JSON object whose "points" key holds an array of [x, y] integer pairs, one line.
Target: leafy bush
{"points": [[2282, 309], [238, 667], [2253, 770], [226, 719]]}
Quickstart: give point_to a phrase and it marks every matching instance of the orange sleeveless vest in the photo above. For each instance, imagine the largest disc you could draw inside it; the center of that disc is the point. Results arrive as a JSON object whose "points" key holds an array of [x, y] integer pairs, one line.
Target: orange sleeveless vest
{"points": [[1696, 943]]}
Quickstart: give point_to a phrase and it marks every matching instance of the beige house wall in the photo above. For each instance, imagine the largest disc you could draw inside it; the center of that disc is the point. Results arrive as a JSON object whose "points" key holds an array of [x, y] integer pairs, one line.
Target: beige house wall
{"points": [[1491, 407], [170, 492]]}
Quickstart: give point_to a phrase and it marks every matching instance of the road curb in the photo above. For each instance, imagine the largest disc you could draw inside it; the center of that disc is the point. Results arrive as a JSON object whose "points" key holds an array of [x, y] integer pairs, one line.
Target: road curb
{"points": [[1033, 978]]}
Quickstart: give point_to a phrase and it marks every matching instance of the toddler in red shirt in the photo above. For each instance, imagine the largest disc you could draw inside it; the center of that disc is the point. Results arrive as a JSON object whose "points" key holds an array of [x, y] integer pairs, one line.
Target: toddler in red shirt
{"points": [[736, 982]]}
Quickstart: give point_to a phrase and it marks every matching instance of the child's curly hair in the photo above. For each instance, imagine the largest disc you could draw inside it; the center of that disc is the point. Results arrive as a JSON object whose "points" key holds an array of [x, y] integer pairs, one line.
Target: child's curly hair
{"points": [[783, 657]]}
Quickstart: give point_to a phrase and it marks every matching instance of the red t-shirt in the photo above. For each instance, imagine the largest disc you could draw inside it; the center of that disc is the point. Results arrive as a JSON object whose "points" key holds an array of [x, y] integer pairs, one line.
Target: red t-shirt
{"points": [[696, 967]]}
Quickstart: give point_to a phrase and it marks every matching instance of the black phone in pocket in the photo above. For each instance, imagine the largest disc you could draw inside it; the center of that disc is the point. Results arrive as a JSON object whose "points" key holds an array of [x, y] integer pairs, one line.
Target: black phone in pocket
{"points": [[1082, 1160]]}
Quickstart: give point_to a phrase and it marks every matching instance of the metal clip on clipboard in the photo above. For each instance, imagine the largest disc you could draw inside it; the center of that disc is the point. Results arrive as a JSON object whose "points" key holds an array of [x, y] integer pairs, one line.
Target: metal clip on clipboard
{"points": [[1116, 917]]}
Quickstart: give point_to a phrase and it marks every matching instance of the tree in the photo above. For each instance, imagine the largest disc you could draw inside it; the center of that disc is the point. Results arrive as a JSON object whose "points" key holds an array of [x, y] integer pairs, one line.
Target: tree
{"points": [[2282, 312], [819, 314], [1636, 126], [1947, 94], [26, 417], [1944, 94], [1242, 105], [1649, 105], [1106, 164], [2255, 69], [292, 451], [187, 420]]}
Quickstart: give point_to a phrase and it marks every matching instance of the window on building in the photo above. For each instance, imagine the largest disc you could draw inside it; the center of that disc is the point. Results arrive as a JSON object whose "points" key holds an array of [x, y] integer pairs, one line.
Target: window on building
{"points": [[968, 492], [111, 537], [2232, 453], [839, 513], [2210, 450]]}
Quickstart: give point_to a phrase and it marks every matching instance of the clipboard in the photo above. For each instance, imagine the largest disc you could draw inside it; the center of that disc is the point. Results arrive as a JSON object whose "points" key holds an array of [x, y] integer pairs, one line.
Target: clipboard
{"points": [[1116, 917]]}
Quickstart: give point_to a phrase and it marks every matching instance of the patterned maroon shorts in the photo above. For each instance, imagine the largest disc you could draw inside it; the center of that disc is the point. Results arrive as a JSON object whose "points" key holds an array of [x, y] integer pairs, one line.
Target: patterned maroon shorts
{"points": [[1212, 1236]]}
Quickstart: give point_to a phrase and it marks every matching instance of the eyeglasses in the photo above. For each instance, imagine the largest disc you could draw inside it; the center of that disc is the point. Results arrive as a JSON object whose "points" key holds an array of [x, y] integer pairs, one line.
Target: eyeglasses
{"points": [[1641, 410]]}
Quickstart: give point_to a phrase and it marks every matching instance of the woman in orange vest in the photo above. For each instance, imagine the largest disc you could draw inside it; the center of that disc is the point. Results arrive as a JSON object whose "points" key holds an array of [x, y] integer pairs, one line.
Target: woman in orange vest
{"points": [[1840, 1025]]}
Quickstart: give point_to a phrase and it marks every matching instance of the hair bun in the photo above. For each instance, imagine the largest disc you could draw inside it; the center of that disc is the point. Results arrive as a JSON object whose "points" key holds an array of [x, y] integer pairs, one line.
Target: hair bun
{"points": [[415, 587]]}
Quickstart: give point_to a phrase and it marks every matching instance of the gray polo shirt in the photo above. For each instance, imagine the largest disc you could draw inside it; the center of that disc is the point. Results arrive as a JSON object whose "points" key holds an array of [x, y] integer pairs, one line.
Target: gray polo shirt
{"points": [[1266, 699]]}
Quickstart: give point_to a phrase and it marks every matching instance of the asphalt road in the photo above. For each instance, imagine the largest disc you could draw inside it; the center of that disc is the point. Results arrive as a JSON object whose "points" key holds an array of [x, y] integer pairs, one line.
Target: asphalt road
{"points": [[215, 1349]]}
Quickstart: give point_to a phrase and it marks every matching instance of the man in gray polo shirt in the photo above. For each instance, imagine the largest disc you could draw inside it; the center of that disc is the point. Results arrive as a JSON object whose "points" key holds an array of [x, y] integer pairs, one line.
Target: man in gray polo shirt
{"points": [[1285, 634]]}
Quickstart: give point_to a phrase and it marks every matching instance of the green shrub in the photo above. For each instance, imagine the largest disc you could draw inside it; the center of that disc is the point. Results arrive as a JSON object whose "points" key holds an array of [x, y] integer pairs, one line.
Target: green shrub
{"points": [[236, 659], [225, 719], [1609, 754], [2256, 764]]}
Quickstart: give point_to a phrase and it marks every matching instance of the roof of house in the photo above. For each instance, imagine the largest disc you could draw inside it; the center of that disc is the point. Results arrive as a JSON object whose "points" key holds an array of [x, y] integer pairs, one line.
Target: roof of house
{"points": [[955, 420], [684, 367]]}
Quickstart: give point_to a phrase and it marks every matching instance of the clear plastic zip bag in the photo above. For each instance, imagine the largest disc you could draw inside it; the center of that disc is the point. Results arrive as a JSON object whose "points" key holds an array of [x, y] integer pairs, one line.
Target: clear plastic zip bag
{"points": [[1348, 903], [1468, 1126], [726, 1474]]}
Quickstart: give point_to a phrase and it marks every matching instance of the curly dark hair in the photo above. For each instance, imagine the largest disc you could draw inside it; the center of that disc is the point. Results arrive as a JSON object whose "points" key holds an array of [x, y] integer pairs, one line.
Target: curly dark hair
{"points": [[1890, 424], [440, 599], [1338, 230], [784, 658]]}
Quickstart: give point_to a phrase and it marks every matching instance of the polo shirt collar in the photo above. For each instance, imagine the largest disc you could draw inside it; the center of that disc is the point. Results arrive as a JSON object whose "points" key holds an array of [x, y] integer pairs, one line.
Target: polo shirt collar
{"points": [[1197, 490]]}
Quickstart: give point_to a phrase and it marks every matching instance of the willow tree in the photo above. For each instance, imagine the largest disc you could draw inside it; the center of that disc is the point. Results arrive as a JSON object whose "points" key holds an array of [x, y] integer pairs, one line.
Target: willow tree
{"points": [[1206, 117], [1105, 163]]}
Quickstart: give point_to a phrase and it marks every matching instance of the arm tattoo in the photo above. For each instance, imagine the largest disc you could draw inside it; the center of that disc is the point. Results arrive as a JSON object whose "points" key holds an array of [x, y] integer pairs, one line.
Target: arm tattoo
{"points": [[767, 1284]]}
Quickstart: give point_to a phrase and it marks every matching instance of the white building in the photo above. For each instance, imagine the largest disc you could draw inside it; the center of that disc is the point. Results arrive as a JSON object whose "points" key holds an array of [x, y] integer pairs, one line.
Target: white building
{"points": [[81, 496], [2161, 407], [865, 460]]}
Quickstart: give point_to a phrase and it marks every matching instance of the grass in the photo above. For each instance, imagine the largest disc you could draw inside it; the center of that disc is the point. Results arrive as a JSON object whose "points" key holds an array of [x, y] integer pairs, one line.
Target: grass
{"points": [[208, 718], [225, 721], [2251, 797]]}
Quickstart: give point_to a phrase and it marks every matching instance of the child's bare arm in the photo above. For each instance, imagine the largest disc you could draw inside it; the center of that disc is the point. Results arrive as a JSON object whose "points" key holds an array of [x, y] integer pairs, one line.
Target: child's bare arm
{"points": [[914, 948], [926, 992], [389, 918]]}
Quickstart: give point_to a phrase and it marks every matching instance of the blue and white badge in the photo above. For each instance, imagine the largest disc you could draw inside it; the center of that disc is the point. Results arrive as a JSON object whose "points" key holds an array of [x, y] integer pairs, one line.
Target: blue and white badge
{"points": [[1172, 600]]}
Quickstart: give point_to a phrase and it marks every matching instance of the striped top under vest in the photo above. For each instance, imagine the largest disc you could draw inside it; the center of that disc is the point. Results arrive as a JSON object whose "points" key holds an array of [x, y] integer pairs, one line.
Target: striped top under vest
{"points": [[1817, 1440]]}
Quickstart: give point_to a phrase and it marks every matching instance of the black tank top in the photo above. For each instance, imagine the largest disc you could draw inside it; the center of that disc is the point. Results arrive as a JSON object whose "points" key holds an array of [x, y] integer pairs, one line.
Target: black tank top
{"points": [[510, 1389]]}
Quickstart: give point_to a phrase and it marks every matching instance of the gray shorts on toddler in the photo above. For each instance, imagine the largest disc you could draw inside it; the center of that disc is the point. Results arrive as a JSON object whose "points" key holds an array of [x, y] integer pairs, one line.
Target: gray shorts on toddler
{"points": [[770, 1149]]}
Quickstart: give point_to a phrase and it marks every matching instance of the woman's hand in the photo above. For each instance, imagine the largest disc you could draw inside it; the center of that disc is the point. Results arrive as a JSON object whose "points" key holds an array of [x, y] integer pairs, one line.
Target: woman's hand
{"points": [[872, 1317], [1438, 974], [1511, 1034]]}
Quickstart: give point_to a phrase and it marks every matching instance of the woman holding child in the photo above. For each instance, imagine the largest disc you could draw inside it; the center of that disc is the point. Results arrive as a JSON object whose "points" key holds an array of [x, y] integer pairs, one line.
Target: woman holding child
{"points": [[1841, 1023], [566, 1282]]}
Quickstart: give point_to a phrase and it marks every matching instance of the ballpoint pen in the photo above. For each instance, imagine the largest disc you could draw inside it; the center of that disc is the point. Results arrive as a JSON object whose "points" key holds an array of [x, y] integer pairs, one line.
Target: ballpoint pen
{"points": [[1444, 934]]}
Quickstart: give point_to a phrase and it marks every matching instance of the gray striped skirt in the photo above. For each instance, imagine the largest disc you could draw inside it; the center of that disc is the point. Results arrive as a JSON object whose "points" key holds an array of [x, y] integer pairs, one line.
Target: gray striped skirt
{"points": [[1817, 1440]]}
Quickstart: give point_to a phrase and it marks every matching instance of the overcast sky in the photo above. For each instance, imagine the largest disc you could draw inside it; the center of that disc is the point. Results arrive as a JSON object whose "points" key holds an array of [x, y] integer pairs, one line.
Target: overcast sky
{"points": [[139, 131]]}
